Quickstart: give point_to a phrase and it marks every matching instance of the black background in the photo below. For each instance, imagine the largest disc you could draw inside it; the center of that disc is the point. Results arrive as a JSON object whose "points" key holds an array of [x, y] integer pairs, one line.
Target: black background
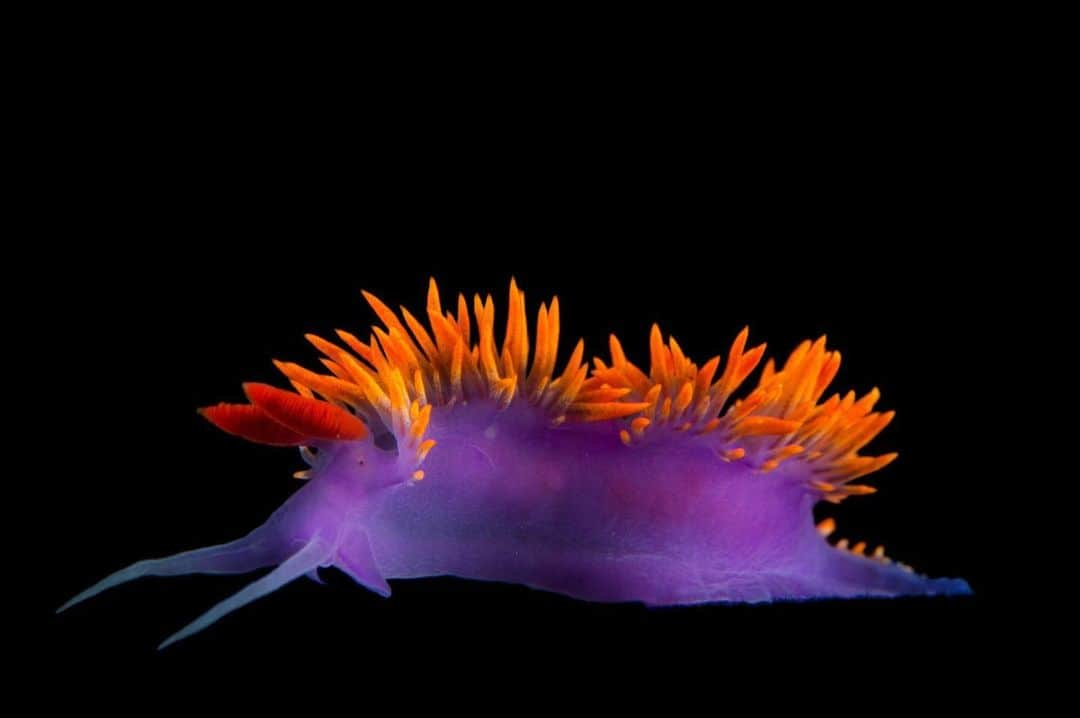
{"points": [[212, 222]]}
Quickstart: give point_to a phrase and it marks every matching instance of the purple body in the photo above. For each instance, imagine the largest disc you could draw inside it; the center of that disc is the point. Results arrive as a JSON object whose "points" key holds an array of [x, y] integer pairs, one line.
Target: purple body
{"points": [[507, 497]]}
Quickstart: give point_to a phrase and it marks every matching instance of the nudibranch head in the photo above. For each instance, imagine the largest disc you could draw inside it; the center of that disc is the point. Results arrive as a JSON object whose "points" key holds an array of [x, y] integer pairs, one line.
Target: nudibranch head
{"points": [[434, 449]]}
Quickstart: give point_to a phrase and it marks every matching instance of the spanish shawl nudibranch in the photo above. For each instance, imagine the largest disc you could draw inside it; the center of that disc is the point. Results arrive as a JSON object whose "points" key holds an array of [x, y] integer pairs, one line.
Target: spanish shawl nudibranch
{"points": [[434, 452]]}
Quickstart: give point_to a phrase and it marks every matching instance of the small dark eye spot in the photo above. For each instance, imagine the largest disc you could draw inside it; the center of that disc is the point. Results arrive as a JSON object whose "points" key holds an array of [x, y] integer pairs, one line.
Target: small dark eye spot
{"points": [[386, 442]]}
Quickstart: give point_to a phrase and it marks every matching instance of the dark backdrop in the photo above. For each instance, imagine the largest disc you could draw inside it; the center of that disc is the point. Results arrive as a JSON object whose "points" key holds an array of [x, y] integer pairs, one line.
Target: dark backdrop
{"points": [[207, 236]]}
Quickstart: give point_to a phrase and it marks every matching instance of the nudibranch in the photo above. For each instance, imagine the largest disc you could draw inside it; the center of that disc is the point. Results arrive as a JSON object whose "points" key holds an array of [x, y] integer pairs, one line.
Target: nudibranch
{"points": [[433, 451]]}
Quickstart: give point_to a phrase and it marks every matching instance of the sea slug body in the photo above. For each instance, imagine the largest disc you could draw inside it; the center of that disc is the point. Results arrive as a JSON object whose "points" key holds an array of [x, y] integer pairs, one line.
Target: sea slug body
{"points": [[432, 450]]}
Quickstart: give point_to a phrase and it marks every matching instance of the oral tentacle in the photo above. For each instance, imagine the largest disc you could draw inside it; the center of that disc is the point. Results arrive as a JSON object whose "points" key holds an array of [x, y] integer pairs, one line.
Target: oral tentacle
{"points": [[307, 533], [307, 559], [256, 550]]}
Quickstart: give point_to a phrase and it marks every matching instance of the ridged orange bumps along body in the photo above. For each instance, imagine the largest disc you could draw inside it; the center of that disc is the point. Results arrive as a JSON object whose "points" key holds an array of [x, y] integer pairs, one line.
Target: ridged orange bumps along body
{"points": [[434, 449]]}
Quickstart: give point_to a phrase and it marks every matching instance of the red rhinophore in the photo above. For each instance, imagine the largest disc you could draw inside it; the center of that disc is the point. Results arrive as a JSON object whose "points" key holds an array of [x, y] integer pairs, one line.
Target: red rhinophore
{"points": [[251, 423], [310, 418]]}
